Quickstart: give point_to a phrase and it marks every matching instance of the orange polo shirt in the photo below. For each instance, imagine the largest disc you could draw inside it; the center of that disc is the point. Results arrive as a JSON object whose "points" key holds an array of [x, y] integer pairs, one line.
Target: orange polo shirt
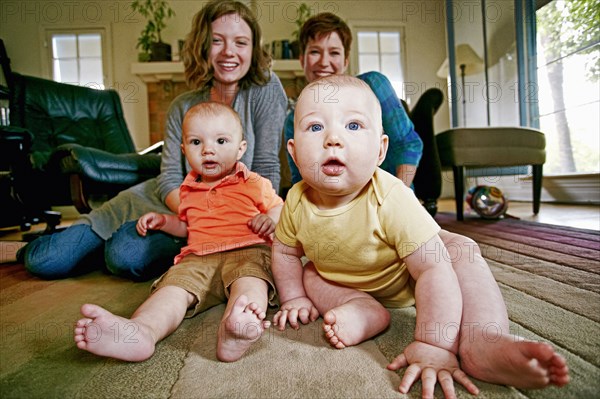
{"points": [[217, 216]]}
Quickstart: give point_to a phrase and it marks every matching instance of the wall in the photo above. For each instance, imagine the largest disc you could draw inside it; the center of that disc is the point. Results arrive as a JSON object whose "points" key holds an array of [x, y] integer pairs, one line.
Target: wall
{"points": [[22, 21]]}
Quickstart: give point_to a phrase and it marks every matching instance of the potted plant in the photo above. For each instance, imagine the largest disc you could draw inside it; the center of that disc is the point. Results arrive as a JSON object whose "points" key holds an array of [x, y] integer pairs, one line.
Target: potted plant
{"points": [[150, 42], [301, 17]]}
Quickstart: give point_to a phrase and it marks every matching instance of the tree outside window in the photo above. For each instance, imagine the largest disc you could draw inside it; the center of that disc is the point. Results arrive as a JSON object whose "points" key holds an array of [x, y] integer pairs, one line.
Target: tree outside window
{"points": [[569, 85]]}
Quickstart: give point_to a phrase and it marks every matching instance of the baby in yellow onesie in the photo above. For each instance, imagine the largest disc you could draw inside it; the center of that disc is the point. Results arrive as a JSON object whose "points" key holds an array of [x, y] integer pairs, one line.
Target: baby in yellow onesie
{"points": [[370, 244]]}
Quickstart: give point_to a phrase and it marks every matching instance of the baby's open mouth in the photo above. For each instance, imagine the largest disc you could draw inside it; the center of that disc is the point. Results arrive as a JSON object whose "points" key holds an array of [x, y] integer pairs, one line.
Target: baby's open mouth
{"points": [[210, 164], [333, 167]]}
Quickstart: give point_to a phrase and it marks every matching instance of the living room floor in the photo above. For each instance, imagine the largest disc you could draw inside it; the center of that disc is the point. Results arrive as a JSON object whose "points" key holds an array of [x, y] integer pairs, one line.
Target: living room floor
{"points": [[581, 216]]}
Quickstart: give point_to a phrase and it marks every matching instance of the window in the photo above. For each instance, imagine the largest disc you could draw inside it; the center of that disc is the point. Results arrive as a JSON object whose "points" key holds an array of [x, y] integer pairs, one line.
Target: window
{"points": [[380, 48], [568, 42], [77, 57]]}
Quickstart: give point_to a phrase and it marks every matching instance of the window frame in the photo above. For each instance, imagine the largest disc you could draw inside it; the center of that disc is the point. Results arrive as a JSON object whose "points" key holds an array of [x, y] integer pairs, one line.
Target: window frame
{"points": [[46, 33], [379, 26]]}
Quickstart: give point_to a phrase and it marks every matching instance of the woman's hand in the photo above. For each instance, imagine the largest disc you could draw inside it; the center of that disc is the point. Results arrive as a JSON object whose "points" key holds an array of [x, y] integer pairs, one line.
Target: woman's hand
{"points": [[431, 364], [293, 310], [150, 221]]}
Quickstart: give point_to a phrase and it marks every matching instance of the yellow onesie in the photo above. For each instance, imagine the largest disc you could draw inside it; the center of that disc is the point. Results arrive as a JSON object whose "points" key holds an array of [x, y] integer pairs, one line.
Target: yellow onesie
{"points": [[361, 244]]}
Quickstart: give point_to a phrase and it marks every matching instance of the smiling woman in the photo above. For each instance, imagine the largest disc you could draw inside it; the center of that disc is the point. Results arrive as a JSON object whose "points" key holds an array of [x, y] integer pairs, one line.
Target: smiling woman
{"points": [[207, 30], [224, 63], [230, 56], [325, 42]]}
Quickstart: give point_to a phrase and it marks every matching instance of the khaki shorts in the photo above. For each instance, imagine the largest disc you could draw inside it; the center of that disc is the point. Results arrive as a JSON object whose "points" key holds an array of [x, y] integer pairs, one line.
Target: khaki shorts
{"points": [[209, 277]]}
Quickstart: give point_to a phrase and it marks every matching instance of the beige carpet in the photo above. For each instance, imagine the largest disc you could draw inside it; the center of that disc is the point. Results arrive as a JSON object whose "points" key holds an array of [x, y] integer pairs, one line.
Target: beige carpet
{"points": [[551, 286]]}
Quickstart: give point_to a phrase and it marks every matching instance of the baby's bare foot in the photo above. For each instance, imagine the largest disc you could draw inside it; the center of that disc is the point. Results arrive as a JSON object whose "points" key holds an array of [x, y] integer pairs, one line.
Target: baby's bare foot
{"points": [[513, 361], [354, 322], [105, 334], [244, 326]]}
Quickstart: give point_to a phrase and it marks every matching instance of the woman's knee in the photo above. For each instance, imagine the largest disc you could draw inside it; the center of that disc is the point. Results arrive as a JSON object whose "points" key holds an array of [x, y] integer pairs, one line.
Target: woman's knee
{"points": [[122, 252], [62, 254], [39, 259], [127, 254]]}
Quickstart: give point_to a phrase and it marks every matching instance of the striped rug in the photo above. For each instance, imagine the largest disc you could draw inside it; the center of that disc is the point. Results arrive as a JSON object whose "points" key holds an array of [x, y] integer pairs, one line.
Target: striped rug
{"points": [[549, 277]]}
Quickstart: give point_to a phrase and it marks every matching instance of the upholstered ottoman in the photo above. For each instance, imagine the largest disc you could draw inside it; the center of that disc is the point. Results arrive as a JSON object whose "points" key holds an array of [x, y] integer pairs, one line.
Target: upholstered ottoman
{"points": [[490, 148]]}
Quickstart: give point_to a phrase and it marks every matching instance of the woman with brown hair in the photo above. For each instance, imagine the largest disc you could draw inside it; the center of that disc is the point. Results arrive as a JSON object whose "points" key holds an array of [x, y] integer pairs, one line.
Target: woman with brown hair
{"points": [[325, 41], [224, 63]]}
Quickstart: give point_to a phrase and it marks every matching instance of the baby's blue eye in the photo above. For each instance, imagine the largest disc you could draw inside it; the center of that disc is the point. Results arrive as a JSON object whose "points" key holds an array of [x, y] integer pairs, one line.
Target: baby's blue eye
{"points": [[353, 126], [315, 128]]}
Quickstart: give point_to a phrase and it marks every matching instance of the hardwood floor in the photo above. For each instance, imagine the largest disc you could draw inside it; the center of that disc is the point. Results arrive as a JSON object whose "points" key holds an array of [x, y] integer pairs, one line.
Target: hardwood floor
{"points": [[581, 216]]}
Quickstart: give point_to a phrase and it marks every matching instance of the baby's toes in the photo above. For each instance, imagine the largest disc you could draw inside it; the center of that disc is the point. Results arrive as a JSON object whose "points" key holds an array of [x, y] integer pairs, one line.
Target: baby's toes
{"points": [[82, 344], [83, 322], [261, 314], [336, 343], [330, 333]]}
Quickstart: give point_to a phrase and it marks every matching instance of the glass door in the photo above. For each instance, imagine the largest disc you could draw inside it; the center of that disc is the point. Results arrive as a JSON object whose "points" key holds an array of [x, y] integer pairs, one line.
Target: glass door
{"points": [[568, 75]]}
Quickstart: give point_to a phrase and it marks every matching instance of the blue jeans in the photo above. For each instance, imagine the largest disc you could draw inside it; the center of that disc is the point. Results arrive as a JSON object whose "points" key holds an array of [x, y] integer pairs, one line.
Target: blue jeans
{"points": [[127, 254], [77, 250]]}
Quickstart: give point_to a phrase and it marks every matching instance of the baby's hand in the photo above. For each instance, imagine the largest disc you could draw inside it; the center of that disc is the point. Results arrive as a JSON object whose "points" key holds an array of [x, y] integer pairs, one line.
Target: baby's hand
{"points": [[262, 225], [299, 308], [150, 221], [431, 363]]}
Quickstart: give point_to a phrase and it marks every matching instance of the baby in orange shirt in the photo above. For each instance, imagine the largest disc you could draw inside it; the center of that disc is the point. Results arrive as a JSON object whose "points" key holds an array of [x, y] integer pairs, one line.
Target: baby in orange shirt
{"points": [[228, 215]]}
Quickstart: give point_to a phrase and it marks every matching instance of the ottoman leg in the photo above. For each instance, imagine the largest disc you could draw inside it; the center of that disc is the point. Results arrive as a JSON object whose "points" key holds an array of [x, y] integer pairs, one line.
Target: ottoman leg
{"points": [[537, 187], [459, 190]]}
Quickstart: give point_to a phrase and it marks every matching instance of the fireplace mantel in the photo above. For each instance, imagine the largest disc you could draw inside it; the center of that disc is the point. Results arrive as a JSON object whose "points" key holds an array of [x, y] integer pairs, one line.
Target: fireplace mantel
{"points": [[165, 81], [151, 72]]}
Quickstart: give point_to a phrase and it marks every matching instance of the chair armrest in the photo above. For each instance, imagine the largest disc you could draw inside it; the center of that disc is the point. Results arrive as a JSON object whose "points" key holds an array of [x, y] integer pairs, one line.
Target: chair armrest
{"points": [[12, 133], [103, 167], [155, 148]]}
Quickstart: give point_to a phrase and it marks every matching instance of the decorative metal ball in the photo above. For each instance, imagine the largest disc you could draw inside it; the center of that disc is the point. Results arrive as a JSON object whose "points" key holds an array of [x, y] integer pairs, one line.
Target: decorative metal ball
{"points": [[487, 201]]}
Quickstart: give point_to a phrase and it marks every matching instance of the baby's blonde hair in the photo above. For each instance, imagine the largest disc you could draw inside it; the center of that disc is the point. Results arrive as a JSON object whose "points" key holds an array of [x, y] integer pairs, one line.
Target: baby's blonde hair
{"points": [[325, 90], [213, 108]]}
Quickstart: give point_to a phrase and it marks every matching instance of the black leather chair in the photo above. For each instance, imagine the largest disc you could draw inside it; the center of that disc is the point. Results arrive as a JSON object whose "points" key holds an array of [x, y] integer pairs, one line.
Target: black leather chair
{"points": [[81, 152], [14, 165]]}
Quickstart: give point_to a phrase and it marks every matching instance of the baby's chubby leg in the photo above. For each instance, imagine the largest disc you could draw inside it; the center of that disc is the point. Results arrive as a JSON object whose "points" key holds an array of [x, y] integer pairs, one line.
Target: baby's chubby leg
{"points": [[244, 321], [106, 334], [349, 316], [487, 350]]}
